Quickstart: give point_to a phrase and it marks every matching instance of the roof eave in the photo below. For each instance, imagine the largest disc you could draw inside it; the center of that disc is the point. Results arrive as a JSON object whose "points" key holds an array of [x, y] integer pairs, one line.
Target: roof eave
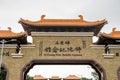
{"points": [[71, 25], [13, 37], [109, 37]]}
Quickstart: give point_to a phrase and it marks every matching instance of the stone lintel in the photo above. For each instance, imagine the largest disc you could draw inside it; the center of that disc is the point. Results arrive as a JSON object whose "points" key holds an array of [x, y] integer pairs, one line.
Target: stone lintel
{"points": [[114, 46], [76, 34], [97, 46], [102, 46], [14, 46]]}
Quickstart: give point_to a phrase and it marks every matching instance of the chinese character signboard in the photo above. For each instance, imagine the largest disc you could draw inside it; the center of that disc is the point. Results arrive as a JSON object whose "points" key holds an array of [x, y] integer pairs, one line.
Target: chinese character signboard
{"points": [[60, 48]]}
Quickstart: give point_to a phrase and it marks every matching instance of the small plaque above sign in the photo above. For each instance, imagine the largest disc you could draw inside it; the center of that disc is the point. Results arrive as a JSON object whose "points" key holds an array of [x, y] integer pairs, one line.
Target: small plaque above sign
{"points": [[60, 48]]}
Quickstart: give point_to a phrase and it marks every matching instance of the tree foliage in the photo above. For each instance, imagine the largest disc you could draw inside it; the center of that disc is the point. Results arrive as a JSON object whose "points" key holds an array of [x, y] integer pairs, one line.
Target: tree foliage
{"points": [[3, 74], [95, 75], [85, 79], [29, 78]]}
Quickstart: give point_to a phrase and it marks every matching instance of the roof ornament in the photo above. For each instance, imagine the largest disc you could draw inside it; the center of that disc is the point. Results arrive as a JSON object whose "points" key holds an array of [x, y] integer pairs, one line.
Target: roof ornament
{"points": [[113, 30], [81, 17], [9, 28], [42, 17]]}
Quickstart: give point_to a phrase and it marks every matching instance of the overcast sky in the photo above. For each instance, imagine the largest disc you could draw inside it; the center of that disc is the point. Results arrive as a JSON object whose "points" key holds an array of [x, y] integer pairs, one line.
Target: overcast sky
{"points": [[62, 71], [12, 10]]}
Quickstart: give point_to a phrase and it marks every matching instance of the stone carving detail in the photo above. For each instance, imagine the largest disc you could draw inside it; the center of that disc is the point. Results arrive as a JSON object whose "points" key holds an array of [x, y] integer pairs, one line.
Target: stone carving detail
{"points": [[107, 50], [18, 49], [107, 53], [18, 53]]}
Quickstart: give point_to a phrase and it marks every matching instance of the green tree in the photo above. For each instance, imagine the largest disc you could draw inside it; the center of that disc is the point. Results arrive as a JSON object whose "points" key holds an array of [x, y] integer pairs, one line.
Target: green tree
{"points": [[95, 75], [3, 74], [85, 79], [29, 78]]}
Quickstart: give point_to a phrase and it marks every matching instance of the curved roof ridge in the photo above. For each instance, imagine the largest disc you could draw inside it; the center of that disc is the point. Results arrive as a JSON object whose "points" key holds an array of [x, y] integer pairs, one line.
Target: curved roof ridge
{"points": [[65, 21], [80, 21]]}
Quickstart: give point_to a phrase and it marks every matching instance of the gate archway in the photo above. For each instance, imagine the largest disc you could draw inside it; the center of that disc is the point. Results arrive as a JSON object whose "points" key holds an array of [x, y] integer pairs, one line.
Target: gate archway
{"points": [[94, 64]]}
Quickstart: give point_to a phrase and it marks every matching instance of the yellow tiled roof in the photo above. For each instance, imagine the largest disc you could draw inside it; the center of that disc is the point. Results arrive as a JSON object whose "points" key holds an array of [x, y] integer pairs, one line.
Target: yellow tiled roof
{"points": [[114, 34], [72, 77], [38, 77], [64, 22], [9, 34]]}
